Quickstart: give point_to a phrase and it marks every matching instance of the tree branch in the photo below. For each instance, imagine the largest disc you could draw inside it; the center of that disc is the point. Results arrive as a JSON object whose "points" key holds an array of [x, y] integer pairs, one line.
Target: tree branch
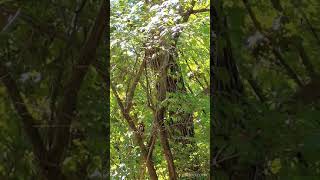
{"points": [[307, 62], [138, 137], [134, 85], [195, 11], [40, 27], [125, 113], [275, 51], [304, 56], [66, 111], [257, 90], [29, 123], [11, 21]]}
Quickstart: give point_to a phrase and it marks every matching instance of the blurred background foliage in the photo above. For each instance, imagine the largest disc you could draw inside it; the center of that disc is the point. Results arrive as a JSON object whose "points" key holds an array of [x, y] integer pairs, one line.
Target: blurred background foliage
{"points": [[270, 128], [40, 43]]}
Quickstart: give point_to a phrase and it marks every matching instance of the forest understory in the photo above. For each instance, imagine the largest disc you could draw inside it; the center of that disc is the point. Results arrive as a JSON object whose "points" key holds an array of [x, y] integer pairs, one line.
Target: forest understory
{"points": [[159, 89]]}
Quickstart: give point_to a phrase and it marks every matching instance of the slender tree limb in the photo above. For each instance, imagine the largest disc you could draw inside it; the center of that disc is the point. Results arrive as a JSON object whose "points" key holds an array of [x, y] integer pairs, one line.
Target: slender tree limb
{"points": [[256, 88], [150, 147], [195, 11], [36, 24], [134, 84], [299, 46], [309, 25], [125, 112], [6, 27], [307, 62], [275, 51], [196, 78], [289, 70], [138, 137], [149, 103], [252, 16]]}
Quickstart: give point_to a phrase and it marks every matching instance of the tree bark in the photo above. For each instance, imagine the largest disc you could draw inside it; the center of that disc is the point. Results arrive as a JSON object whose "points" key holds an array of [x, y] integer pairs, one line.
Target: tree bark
{"points": [[67, 108], [152, 172], [160, 115]]}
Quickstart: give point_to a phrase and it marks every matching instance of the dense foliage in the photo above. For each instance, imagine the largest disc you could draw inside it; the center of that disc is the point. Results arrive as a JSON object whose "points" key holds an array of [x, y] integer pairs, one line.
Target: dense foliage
{"points": [[266, 110], [143, 29], [265, 89], [52, 103]]}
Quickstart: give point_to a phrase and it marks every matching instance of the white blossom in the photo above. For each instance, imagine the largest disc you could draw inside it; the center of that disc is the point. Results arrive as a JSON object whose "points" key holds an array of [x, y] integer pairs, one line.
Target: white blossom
{"points": [[254, 39], [25, 76]]}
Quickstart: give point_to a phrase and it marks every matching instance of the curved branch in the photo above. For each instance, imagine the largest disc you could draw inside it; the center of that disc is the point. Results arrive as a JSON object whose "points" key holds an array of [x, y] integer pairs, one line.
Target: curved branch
{"points": [[138, 137], [276, 53], [134, 85], [125, 113], [29, 123]]}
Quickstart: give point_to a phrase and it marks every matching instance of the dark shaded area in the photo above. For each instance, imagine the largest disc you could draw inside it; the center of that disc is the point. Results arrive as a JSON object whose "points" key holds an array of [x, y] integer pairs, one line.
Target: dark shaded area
{"points": [[53, 103], [265, 100]]}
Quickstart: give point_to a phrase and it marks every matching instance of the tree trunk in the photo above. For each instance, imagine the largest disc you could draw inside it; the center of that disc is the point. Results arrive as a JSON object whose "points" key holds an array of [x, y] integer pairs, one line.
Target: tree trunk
{"points": [[160, 115], [228, 89], [184, 121]]}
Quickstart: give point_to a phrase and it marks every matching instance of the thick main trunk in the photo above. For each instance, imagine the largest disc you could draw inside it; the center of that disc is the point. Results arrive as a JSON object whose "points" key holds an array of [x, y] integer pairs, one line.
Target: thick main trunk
{"points": [[54, 173], [175, 84], [67, 108], [228, 89], [180, 123], [160, 116], [165, 144]]}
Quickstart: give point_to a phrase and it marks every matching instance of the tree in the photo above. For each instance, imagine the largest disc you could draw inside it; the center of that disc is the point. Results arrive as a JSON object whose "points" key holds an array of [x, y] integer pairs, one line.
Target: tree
{"points": [[48, 88], [160, 79], [265, 130]]}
